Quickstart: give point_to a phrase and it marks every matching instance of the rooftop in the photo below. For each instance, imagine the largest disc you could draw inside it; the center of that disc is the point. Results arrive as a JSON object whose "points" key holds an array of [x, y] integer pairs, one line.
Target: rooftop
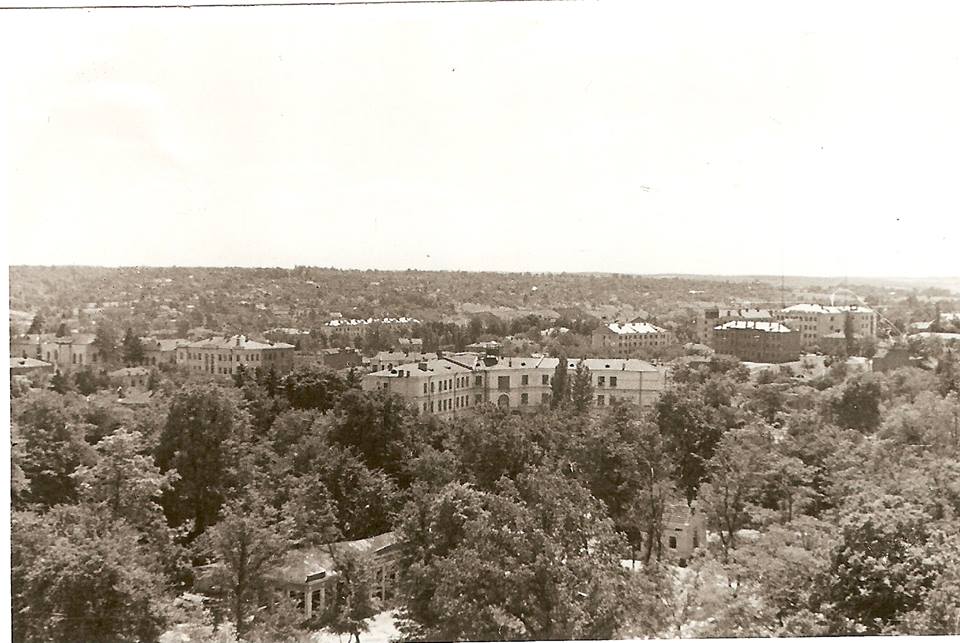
{"points": [[304, 565], [820, 309], [746, 324], [423, 369], [241, 342], [27, 362], [634, 328]]}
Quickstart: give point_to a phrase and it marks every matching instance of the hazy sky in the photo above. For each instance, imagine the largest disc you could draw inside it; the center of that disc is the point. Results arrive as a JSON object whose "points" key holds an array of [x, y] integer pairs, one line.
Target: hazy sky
{"points": [[612, 136]]}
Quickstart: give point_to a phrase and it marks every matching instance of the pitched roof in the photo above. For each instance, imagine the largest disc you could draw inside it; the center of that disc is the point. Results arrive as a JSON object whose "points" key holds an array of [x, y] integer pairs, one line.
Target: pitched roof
{"points": [[300, 565], [433, 367], [240, 342], [634, 328], [747, 324], [27, 362], [820, 309]]}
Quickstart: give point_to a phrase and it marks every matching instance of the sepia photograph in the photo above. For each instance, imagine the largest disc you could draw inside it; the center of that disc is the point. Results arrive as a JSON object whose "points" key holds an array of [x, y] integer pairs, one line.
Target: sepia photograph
{"points": [[480, 320]]}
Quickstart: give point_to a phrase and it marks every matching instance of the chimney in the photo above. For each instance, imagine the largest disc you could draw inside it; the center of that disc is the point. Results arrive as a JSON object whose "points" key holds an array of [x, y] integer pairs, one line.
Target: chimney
{"points": [[238, 340], [422, 366]]}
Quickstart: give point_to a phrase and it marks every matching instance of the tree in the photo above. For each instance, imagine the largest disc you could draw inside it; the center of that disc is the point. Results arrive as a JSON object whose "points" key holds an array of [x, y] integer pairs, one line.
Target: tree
{"points": [[313, 388], [132, 348], [201, 427], [560, 385], [375, 425], [689, 436], [54, 445], [883, 566], [858, 405], [249, 540], [80, 575], [734, 471], [354, 603], [538, 559], [36, 326], [849, 335], [60, 383], [105, 341], [948, 373], [581, 388], [124, 482]]}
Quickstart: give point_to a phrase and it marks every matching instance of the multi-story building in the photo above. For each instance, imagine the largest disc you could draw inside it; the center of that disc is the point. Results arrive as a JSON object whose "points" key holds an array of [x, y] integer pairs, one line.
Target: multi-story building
{"points": [[438, 386], [814, 321], [710, 318], [224, 355], [757, 341], [157, 352], [453, 384], [624, 339], [71, 352]]}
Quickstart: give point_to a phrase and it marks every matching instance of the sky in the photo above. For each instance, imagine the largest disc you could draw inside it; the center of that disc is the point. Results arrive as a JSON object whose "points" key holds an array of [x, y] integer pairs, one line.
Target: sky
{"points": [[616, 136]]}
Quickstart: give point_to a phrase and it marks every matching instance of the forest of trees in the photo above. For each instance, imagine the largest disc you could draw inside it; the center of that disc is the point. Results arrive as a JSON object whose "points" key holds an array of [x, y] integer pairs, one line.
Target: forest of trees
{"points": [[832, 508]]}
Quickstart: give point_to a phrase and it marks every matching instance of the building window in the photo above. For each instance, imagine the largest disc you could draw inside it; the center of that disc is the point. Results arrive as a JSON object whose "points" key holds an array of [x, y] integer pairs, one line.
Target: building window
{"points": [[613, 382], [545, 380], [478, 380], [599, 400], [523, 399], [503, 383], [424, 388], [673, 542], [601, 380], [524, 380], [477, 399], [432, 389]]}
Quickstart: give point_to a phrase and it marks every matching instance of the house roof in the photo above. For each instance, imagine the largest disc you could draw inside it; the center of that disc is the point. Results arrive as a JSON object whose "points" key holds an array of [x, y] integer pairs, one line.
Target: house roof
{"points": [[27, 362], [825, 310], [241, 342], [747, 324], [301, 564], [634, 328], [433, 367]]}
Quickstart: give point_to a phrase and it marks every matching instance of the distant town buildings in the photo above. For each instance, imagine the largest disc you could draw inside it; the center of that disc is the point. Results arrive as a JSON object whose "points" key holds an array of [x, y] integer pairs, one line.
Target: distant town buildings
{"points": [[354, 327], [225, 355], [624, 339], [450, 385]]}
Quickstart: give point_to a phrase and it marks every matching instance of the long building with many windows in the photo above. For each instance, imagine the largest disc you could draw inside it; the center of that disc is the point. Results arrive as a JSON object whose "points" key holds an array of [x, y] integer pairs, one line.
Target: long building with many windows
{"points": [[224, 355], [450, 385]]}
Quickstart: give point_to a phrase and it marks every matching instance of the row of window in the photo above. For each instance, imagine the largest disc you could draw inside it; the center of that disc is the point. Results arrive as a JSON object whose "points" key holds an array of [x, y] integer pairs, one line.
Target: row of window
{"points": [[459, 402]]}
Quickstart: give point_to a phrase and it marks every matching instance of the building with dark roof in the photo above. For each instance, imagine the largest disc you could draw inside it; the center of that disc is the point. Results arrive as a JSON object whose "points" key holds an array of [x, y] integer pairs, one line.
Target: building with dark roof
{"points": [[757, 341]]}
